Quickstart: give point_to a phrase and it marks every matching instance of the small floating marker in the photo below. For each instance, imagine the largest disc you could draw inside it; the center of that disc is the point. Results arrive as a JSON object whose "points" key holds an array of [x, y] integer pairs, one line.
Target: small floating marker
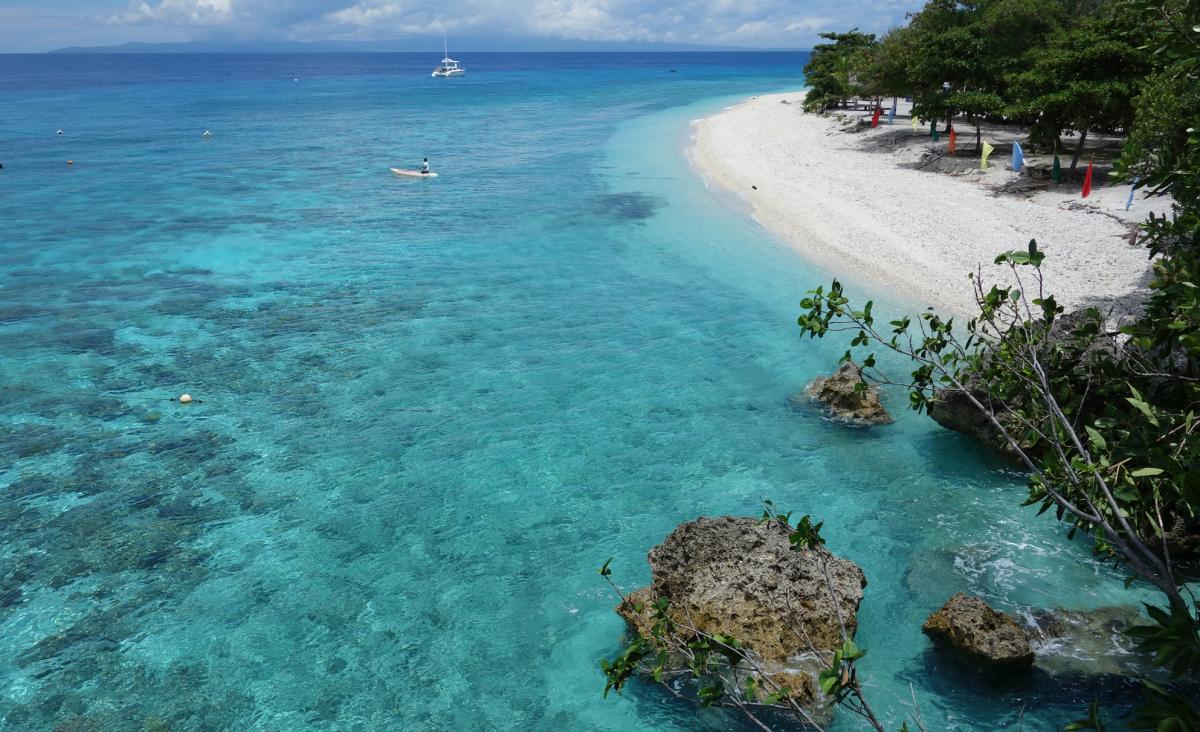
{"points": [[296, 79], [185, 398], [59, 132], [70, 162], [207, 135]]}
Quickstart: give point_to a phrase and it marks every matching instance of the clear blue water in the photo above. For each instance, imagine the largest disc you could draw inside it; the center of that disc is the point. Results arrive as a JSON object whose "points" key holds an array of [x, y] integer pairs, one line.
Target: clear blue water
{"points": [[430, 409]]}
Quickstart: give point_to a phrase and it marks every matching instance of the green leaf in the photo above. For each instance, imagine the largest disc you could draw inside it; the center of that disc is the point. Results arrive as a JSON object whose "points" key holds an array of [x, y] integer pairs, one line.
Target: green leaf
{"points": [[849, 650], [1146, 472], [1142, 407]]}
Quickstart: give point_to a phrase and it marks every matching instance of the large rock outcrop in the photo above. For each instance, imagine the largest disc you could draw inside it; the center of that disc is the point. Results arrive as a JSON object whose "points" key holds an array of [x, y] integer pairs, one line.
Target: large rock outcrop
{"points": [[954, 410], [1079, 332], [966, 624], [741, 577], [848, 397]]}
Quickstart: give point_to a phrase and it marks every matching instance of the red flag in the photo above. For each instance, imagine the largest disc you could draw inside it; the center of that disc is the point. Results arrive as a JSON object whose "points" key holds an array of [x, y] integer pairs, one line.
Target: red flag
{"points": [[1087, 180], [875, 119], [953, 141]]}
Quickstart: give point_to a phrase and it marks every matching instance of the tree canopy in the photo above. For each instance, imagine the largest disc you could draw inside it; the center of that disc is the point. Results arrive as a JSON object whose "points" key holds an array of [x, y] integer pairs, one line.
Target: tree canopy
{"points": [[834, 69], [1060, 66]]}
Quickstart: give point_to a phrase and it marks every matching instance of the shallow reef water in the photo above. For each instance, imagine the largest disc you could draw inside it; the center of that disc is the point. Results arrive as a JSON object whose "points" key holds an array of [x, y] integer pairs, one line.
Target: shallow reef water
{"points": [[426, 411]]}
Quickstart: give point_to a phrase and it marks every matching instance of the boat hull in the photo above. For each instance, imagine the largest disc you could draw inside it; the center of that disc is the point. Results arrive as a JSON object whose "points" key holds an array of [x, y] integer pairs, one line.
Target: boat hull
{"points": [[412, 173]]}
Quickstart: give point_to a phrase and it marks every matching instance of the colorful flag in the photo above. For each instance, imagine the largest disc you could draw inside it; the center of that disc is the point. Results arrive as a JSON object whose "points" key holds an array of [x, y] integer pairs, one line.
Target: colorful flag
{"points": [[953, 146], [987, 150], [1132, 190], [915, 121], [892, 115], [1018, 157], [1087, 181], [1056, 170], [875, 117]]}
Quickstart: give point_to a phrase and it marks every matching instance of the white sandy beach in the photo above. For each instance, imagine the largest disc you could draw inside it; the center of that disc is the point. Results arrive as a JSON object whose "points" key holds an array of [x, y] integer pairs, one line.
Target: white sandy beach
{"points": [[853, 208]]}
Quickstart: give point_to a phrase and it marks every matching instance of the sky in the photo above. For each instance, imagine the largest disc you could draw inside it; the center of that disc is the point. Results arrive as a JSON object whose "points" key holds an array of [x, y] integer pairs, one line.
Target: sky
{"points": [[40, 25]]}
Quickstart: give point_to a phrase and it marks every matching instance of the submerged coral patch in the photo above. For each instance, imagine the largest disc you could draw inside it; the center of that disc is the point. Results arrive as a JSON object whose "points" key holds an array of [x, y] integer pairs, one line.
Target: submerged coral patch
{"points": [[631, 206]]}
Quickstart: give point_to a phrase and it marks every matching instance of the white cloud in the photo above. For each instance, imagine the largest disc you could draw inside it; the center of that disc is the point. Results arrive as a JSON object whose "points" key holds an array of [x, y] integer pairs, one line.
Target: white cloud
{"points": [[177, 12], [589, 20], [763, 23]]}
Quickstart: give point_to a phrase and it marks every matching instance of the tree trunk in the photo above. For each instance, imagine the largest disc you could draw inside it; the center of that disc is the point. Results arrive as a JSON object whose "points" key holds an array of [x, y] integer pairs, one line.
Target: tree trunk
{"points": [[978, 137], [1079, 148]]}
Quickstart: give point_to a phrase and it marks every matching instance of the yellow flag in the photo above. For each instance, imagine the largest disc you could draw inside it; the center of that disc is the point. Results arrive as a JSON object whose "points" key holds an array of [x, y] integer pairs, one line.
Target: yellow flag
{"points": [[915, 122], [987, 150]]}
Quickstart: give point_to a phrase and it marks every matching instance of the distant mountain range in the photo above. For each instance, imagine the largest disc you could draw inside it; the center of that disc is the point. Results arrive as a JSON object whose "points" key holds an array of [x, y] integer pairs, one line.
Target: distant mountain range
{"points": [[408, 45]]}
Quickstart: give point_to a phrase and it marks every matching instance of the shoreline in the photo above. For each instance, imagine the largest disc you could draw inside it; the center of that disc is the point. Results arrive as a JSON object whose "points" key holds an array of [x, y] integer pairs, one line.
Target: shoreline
{"points": [[860, 214]]}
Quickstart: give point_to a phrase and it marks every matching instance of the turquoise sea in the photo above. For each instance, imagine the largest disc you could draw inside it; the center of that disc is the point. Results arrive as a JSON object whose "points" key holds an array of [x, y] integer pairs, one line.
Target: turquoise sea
{"points": [[429, 410]]}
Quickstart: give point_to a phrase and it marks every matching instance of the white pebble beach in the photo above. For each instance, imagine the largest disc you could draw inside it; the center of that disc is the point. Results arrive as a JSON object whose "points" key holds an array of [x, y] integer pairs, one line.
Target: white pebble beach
{"points": [[857, 210]]}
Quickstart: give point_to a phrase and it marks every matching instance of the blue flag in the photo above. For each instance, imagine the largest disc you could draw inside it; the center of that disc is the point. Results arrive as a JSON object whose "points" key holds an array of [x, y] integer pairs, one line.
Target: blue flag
{"points": [[1018, 158], [892, 116], [1132, 190]]}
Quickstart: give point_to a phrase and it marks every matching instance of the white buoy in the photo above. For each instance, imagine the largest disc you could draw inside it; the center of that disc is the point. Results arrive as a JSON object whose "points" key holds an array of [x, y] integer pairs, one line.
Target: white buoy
{"points": [[207, 135], [59, 132], [185, 398]]}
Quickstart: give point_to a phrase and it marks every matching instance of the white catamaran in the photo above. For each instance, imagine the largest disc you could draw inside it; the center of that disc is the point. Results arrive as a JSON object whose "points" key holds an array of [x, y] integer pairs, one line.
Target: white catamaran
{"points": [[448, 67]]}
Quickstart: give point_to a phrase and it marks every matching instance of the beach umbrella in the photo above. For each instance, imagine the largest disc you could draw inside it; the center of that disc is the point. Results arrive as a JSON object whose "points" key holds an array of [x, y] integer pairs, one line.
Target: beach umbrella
{"points": [[1132, 190], [987, 150], [953, 145], [1018, 157], [1087, 181]]}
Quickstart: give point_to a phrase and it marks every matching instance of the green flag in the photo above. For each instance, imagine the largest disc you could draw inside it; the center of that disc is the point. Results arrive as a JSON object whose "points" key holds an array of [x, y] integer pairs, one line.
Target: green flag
{"points": [[1056, 171], [933, 132]]}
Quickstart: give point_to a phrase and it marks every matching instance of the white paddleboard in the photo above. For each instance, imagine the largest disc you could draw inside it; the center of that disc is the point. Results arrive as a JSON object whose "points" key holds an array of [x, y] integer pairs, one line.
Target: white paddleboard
{"points": [[413, 173]]}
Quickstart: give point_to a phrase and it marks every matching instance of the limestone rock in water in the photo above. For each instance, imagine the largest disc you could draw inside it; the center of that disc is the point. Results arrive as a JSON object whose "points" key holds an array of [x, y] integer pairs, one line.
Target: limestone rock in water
{"points": [[740, 577], [953, 409], [1085, 642], [846, 401], [967, 624], [1183, 539]]}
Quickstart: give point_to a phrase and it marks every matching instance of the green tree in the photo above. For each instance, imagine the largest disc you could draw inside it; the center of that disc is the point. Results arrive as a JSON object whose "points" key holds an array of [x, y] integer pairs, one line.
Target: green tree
{"points": [[1084, 78], [833, 69], [972, 47]]}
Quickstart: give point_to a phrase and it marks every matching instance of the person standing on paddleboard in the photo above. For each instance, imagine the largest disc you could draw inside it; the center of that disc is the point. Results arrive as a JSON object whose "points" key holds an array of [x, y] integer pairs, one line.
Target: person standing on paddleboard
{"points": [[425, 166]]}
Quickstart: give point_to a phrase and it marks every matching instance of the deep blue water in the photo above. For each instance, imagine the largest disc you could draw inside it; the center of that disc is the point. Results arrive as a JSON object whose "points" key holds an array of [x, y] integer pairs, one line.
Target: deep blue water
{"points": [[429, 409]]}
